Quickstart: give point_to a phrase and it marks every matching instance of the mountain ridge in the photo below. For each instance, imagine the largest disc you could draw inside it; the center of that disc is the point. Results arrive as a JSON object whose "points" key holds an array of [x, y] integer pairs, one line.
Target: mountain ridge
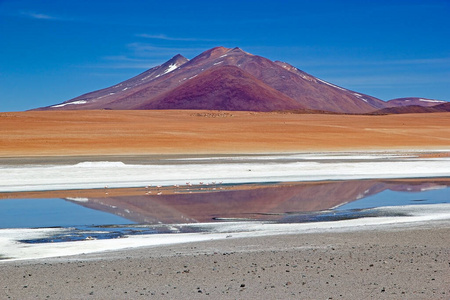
{"points": [[414, 109], [226, 87], [266, 86], [408, 101]]}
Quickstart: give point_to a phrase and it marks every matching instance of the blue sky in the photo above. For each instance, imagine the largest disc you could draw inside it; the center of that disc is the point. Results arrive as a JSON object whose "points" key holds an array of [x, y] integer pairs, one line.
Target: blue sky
{"points": [[52, 51]]}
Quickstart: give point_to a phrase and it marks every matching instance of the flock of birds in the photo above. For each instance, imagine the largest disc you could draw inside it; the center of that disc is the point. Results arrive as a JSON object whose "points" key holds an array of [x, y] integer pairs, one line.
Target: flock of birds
{"points": [[201, 186]]}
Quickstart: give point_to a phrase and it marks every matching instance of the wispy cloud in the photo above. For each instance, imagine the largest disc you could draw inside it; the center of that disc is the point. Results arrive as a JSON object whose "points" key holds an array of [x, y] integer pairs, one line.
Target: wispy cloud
{"points": [[380, 81], [148, 50], [169, 38], [420, 61], [125, 62], [45, 16], [141, 56], [328, 62], [38, 16]]}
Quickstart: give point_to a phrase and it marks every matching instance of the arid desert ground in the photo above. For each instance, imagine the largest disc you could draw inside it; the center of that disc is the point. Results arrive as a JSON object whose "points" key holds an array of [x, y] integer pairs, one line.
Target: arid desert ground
{"points": [[202, 132]]}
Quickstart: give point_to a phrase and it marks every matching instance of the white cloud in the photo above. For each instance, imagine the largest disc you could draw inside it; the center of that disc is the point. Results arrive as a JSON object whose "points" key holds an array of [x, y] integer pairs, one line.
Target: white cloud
{"points": [[168, 38], [364, 80], [331, 62], [419, 61], [125, 62], [148, 50], [142, 56], [39, 16]]}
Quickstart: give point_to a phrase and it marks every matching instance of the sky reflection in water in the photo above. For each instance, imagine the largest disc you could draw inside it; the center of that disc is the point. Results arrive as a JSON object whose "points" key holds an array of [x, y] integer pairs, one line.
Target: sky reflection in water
{"points": [[42, 213], [113, 217]]}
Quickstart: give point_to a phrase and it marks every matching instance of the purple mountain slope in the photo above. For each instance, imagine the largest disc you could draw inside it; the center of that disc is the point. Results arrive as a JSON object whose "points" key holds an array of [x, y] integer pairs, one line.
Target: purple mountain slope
{"points": [[227, 79]]}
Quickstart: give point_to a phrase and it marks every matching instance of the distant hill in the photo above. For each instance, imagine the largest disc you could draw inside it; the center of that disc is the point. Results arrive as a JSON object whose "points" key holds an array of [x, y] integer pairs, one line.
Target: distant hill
{"points": [[229, 79], [413, 109], [413, 101]]}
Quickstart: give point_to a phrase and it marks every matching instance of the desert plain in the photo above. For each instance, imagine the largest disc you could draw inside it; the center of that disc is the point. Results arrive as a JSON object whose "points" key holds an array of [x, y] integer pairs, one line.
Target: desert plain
{"points": [[107, 132], [397, 262]]}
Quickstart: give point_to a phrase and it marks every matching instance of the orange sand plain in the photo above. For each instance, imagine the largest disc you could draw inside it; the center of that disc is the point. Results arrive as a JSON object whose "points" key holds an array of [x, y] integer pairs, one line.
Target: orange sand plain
{"points": [[205, 132]]}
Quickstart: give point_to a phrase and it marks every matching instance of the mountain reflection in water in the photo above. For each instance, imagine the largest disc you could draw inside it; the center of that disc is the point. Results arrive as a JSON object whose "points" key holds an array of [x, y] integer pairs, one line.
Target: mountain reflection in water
{"points": [[272, 202]]}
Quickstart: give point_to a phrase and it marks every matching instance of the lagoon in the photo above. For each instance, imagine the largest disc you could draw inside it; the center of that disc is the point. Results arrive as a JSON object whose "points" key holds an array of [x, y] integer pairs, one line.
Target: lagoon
{"points": [[180, 199]]}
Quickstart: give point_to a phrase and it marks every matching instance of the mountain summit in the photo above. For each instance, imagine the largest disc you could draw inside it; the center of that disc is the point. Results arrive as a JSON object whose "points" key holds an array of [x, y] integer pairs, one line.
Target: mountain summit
{"points": [[225, 79]]}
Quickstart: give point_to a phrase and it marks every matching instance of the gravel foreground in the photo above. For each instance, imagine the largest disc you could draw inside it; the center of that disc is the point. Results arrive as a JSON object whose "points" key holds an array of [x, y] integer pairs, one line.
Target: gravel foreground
{"points": [[385, 263]]}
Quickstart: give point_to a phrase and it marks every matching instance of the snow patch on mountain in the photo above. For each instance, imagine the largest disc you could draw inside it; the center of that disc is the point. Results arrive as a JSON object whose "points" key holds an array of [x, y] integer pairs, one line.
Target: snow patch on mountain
{"points": [[332, 85], [147, 77], [360, 97], [431, 100], [170, 68], [74, 102]]}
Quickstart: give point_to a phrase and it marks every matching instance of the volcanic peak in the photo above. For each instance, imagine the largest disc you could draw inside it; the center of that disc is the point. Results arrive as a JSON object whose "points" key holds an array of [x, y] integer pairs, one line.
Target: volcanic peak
{"points": [[239, 80], [224, 88]]}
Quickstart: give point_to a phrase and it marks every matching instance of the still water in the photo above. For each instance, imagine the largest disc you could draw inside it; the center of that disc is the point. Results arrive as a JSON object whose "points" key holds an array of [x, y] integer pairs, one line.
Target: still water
{"points": [[43, 213], [113, 217]]}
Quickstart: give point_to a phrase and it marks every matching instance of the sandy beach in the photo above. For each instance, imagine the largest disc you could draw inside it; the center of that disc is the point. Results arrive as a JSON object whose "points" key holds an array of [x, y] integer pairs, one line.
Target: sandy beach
{"points": [[380, 263]]}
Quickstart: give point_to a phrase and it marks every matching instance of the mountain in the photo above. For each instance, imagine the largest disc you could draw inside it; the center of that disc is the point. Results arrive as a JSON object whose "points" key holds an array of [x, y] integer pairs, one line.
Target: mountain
{"points": [[100, 99], [318, 94], [414, 109], [269, 203], [413, 101], [226, 79], [223, 88]]}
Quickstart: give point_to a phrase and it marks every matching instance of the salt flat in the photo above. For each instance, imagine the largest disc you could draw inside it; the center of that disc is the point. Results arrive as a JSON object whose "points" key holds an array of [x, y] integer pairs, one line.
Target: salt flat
{"points": [[226, 170]]}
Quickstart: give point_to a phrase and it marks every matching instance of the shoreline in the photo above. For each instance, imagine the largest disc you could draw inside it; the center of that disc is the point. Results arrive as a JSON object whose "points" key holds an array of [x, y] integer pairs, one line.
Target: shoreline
{"points": [[387, 218], [390, 262], [171, 190], [139, 171], [30, 159]]}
